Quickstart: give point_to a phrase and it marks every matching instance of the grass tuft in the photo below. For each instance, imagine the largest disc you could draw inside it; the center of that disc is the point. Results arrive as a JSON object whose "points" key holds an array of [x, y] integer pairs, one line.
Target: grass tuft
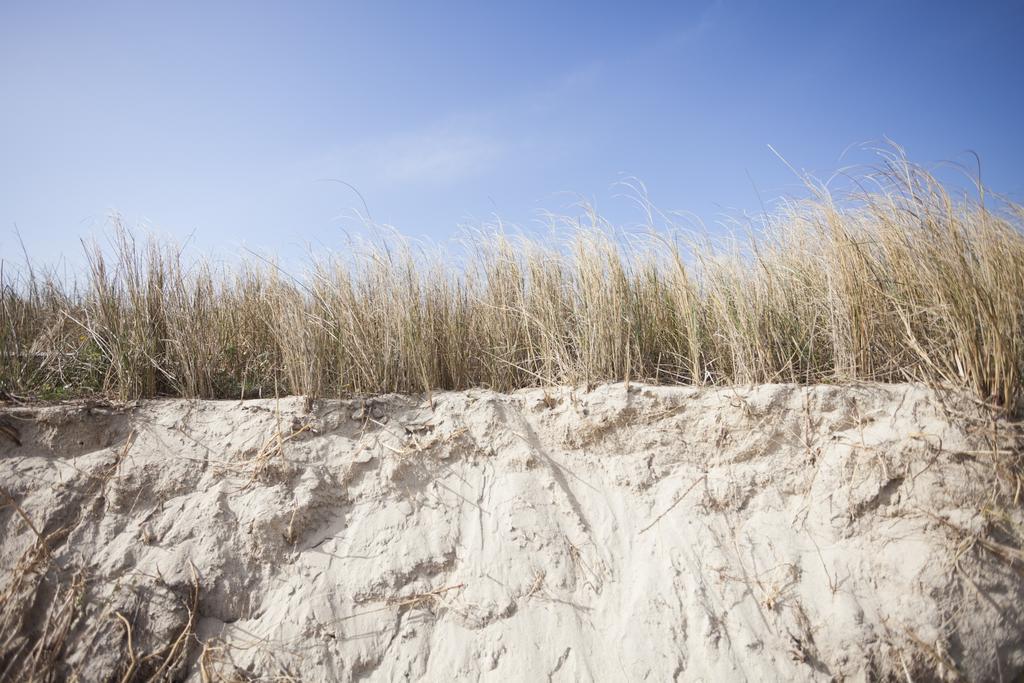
{"points": [[902, 283]]}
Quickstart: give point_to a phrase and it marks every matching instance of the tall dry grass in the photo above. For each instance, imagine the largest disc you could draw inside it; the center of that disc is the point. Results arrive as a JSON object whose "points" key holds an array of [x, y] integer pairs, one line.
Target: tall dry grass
{"points": [[905, 282]]}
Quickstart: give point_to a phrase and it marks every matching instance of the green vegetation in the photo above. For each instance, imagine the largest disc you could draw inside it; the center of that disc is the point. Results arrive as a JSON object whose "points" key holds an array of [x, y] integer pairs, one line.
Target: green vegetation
{"points": [[904, 282]]}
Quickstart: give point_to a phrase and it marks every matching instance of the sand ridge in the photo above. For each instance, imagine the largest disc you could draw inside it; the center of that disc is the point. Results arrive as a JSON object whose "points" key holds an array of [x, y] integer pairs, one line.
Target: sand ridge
{"points": [[630, 532]]}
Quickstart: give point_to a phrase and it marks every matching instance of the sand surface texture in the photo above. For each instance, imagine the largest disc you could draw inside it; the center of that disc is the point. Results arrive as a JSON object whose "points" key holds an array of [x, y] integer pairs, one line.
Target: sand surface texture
{"points": [[624, 533]]}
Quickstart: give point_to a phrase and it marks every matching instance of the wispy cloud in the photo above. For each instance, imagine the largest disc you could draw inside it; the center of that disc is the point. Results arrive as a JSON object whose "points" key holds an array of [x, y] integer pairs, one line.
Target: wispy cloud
{"points": [[438, 156], [686, 35]]}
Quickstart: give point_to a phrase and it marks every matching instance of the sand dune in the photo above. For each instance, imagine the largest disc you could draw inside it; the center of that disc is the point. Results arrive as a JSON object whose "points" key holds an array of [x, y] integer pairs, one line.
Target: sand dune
{"points": [[625, 533]]}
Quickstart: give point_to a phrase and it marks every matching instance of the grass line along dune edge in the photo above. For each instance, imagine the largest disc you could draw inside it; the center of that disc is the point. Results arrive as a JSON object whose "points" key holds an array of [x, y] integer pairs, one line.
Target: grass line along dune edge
{"points": [[901, 283]]}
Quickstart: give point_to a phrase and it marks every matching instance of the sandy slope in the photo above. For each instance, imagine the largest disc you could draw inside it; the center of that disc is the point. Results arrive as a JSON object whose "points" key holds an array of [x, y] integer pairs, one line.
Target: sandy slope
{"points": [[625, 533]]}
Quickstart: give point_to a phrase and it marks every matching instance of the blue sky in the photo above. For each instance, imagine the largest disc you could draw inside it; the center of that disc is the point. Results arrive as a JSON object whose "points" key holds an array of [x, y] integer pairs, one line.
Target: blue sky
{"points": [[222, 119]]}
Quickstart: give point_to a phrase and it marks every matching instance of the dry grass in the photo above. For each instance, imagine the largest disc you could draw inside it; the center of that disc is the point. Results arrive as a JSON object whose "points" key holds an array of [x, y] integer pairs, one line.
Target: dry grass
{"points": [[47, 604], [902, 283]]}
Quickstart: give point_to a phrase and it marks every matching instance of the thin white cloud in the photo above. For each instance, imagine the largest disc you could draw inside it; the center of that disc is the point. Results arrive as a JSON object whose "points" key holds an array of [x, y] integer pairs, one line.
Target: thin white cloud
{"points": [[686, 35], [429, 157]]}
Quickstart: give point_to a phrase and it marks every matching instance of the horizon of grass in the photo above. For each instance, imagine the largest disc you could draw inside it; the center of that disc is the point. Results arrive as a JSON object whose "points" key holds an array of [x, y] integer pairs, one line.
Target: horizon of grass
{"points": [[899, 283]]}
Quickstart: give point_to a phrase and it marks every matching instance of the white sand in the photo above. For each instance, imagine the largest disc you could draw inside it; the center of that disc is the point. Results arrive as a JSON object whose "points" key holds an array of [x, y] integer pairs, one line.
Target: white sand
{"points": [[640, 533]]}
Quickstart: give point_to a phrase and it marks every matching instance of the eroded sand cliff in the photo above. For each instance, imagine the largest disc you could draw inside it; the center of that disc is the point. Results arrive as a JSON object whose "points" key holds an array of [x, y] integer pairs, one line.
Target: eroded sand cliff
{"points": [[624, 533]]}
